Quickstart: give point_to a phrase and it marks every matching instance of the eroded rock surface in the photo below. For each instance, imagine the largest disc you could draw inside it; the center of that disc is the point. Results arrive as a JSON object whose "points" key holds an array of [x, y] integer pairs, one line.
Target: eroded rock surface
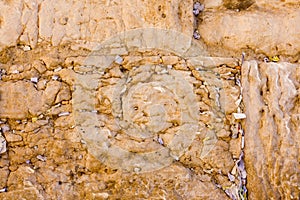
{"points": [[271, 98], [238, 31], [144, 103], [86, 23], [148, 113]]}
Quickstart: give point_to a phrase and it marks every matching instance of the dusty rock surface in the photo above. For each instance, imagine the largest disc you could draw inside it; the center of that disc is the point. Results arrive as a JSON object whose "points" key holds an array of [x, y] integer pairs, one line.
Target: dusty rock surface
{"points": [[123, 99]]}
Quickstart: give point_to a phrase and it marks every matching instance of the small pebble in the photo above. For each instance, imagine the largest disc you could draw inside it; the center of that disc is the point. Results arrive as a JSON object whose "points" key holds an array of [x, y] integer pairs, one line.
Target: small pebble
{"points": [[118, 59], [57, 69], [41, 158], [175, 157], [160, 141], [164, 71], [63, 114], [239, 115], [34, 79], [137, 169], [26, 48], [103, 195], [55, 77], [57, 105], [169, 66], [5, 128], [15, 72]]}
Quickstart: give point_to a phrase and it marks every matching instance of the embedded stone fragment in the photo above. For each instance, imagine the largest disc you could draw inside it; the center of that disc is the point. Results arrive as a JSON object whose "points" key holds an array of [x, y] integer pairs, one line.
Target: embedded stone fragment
{"points": [[2, 144]]}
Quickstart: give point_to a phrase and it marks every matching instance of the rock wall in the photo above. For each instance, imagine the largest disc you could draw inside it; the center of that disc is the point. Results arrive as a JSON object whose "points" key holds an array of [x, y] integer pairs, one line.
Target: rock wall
{"points": [[144, 99]]}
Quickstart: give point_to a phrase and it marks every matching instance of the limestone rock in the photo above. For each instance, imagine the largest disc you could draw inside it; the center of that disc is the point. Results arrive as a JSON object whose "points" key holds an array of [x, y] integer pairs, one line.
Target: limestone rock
{"points": [[238, 4], [59, 22], [4, 172], [28, 193], [271, 97], [9, 34], [175, 178], [19, 100], [236, 31], [126, 82], [10, 137], [277, 4]]}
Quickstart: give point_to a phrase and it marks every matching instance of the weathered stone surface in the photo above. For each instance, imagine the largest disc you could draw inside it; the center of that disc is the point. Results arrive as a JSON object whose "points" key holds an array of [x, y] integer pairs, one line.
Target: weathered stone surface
{"points": [[27, 193], [271, 98], [240, 5], [178, 182], [212, 4], [59, 22], [19, 100], [10, 137], [45, 149], [10, 24], [277, 4], [22, 100], [237, 4], [154, 88], [4, 172], [237, 31]]}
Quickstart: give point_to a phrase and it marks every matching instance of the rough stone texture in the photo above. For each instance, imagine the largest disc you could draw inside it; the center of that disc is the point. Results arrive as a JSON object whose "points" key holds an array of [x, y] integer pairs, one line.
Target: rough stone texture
{"points": [[48, 158], [9, 33], [83, 23], [23, 104], [277, 4], [276, 34], [26, 193], [260, 28], [56, 93], [17, 103], [271, 98]]}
